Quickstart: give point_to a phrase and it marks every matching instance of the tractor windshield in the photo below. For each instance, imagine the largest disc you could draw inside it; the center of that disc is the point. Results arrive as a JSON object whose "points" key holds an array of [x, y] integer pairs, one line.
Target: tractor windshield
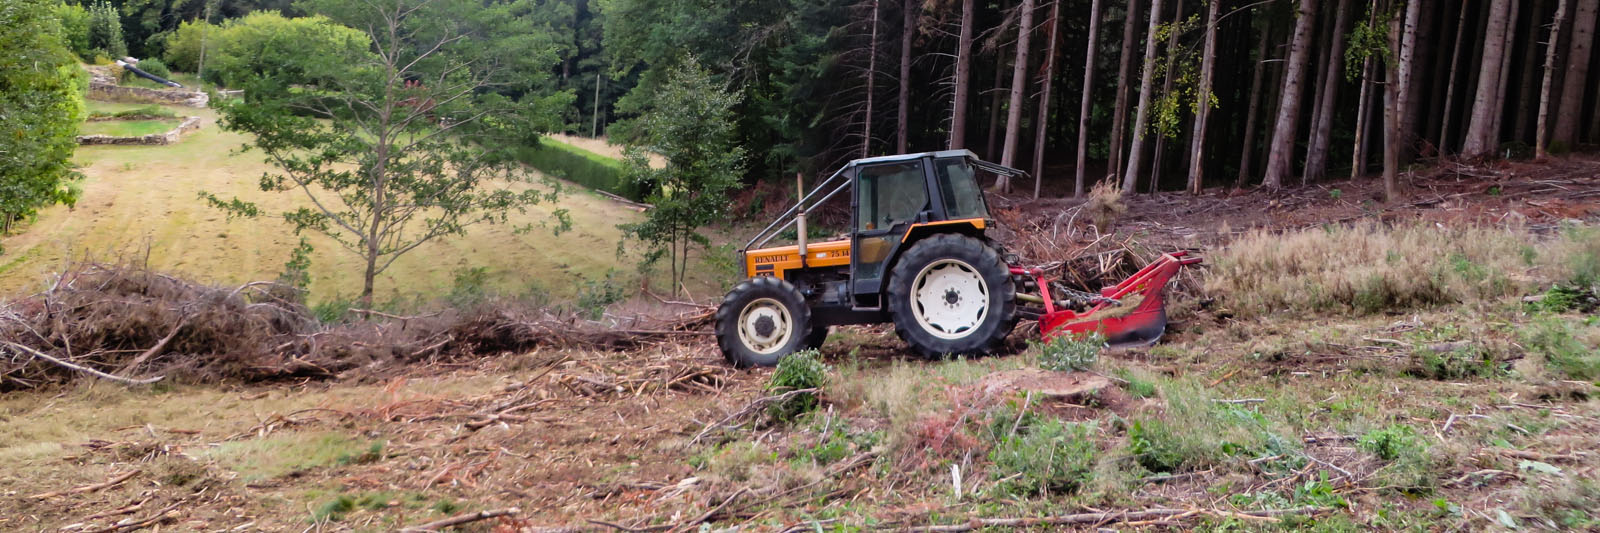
{"points": [[959, 187]]}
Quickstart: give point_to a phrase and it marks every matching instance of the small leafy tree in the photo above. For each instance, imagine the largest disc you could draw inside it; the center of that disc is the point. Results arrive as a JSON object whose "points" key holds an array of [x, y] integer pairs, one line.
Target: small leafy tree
{"points": [[75, 28], [105, 30], [41, 101], [691, 125], [404, 142]]}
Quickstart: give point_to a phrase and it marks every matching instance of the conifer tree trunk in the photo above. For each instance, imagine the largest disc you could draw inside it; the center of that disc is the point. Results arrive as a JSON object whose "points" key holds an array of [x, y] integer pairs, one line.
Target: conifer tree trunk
{"points": [[1247, 157], [1576, 84], [1208, 59], [1019, 82], [995, 105], [1322, 128], [1450, 89], [908, 28], [958, 103], [1322, 44], [1541, 129], [1402, 36], [1280, 156], [1481, 137], [1131, 177], [872, 71], [1497, 118], [1044, 97], [1166, 88], [1086, 100], [1528, 68], [1119, 116]]}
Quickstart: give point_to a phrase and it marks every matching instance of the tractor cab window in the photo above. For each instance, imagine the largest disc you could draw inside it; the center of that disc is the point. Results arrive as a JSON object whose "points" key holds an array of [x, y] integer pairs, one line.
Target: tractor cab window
{"points": [[890, 194], [959, 187]]}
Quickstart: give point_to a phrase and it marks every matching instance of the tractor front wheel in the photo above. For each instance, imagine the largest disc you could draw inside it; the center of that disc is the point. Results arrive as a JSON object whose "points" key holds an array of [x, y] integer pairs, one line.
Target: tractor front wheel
{"points": [[952, 295], [761, 320]]}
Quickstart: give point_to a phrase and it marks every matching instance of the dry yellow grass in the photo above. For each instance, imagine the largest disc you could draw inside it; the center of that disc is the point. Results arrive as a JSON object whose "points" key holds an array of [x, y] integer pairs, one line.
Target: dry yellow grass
{"points": [[141, 201], [1370, 268]]}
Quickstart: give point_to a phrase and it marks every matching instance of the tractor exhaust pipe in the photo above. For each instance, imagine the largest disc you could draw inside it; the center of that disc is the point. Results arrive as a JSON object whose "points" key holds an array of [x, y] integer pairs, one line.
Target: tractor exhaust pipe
{"points": [[800, 220]]}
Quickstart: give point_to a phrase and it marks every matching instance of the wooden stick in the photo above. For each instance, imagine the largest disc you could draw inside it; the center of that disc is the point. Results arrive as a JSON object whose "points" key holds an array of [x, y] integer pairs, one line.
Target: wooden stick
{"points": [[89, 488], [1104, 518], [748, 410], [461, 519], [84, 369], [138, 524], [155, 349]]}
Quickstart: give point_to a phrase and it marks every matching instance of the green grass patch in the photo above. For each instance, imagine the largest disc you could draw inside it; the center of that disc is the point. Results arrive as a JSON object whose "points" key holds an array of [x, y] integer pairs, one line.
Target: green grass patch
{"points": [[127, 128], [278, 455], [150, 110], [580, 166]]}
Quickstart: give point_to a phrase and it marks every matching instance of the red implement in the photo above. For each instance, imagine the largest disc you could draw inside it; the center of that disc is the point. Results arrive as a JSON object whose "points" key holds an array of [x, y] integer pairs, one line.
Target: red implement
{"points": [[1129, 313]]}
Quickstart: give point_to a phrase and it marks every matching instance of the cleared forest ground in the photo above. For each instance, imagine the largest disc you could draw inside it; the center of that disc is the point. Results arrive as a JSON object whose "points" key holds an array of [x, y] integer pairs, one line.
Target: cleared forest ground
{"points": [[1387, 377]]}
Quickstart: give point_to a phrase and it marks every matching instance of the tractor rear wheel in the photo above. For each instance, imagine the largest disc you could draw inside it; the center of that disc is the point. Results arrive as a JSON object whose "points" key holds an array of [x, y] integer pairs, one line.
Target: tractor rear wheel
{"points": [[952, 295], [761, 320]]}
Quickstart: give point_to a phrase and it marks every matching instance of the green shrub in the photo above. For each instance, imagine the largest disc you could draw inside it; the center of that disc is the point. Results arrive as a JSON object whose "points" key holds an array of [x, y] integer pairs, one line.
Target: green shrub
{"points": [[580, 166], [75, 29], [1049, 458], [1392, 442], [1465, 362], [594, 295], [796, 371], [151, 66], [1066, 353], [332, 311], [1564, 351], [1410, 469], [302, 50], [1560, 299], [297, 270], [469, 286]]}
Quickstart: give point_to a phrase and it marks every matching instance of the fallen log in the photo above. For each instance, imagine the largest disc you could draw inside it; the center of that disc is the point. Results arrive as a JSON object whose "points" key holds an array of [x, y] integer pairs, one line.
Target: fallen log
{"points": [[460, 519]]}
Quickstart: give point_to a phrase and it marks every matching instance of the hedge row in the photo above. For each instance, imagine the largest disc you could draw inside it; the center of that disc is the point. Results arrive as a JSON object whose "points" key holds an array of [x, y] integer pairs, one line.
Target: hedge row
{"points": [[580, 166]]}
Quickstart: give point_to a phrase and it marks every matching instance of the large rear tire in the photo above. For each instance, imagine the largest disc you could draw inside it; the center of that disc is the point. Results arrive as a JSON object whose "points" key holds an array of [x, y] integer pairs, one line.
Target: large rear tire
{"points": [[761, 320], [951, 294]]}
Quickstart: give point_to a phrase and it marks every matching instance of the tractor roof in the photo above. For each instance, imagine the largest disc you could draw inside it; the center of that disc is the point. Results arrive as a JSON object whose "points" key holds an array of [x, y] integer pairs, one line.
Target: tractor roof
{"points": [[911, 157]]}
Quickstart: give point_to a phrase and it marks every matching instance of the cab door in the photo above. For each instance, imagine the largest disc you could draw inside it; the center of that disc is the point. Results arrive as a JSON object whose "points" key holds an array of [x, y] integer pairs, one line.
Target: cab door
{"points": [[889, 198]]}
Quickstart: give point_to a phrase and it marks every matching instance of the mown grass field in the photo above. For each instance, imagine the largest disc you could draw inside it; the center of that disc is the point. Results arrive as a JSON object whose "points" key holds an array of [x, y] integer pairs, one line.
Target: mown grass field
{"points": [[127, 128], [141, 203]]}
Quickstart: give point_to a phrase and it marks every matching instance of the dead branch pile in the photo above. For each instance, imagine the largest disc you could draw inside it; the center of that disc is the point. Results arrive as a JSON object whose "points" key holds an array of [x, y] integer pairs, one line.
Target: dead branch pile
{"points": [[1073, 247], [135, 325]]}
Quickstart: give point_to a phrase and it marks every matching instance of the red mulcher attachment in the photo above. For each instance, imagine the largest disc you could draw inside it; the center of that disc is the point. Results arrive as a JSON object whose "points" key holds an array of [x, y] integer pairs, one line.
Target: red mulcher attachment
{"points": [[1130, 313]]}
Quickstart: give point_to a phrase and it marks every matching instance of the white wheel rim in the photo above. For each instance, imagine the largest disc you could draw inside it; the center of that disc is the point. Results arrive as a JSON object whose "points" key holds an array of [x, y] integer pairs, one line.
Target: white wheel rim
{"points": [[949, 299], [765, 326]]}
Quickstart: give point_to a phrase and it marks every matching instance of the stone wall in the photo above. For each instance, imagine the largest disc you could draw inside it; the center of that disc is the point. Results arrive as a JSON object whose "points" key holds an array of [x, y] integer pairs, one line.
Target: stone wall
{"points": [[155, 139], [116, 93]]}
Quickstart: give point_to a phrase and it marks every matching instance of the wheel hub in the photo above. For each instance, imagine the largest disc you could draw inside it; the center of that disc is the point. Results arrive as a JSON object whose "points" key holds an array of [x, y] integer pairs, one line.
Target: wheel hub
{"points": [[765, 326], [949, 299]]}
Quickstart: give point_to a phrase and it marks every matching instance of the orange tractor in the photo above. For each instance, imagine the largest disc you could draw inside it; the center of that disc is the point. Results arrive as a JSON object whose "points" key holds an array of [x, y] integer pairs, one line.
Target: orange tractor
{"points": [[917, 255]]}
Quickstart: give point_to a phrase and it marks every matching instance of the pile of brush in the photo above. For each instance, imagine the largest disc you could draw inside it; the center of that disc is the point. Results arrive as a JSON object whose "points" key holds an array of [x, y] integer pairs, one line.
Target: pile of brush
{"points": [[135, 325]]}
